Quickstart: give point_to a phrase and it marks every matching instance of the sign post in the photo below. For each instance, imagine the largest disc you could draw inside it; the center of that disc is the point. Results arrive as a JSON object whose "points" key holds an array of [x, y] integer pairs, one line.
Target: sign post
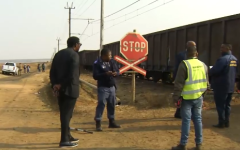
{"points": [[134, 87], [134, 47]]}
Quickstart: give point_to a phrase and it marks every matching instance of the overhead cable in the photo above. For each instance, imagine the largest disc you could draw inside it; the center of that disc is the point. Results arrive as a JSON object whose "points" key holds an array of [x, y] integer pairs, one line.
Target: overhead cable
{"points": [[117, 11], [132, 17]]}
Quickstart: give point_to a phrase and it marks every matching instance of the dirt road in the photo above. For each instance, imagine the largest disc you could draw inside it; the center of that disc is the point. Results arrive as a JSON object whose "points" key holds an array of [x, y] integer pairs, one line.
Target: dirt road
{"points": [[30, 118]]}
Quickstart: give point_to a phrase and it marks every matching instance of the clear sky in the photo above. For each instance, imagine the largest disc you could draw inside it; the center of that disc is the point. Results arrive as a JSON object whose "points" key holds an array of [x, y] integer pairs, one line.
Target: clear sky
{"points": [[29, 28]]}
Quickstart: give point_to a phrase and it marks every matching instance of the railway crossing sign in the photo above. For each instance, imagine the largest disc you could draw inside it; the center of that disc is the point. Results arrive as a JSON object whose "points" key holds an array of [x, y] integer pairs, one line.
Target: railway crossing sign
{"points": [[133, 46], [131, 65]]}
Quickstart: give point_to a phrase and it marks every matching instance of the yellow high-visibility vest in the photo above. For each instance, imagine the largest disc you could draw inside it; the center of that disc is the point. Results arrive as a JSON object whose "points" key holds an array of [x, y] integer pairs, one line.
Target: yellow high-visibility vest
{"points": [[196, 83]]}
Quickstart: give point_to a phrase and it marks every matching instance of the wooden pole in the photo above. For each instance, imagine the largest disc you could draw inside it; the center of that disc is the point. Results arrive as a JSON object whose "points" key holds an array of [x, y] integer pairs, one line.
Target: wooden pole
{"points": [[101, 27], [134, 84], [133, 87]]}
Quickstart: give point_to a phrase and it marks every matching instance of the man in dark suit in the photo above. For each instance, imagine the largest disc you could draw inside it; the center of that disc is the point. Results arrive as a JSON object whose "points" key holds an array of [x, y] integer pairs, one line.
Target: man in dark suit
{"points": [[64, 77], [179, 58]]}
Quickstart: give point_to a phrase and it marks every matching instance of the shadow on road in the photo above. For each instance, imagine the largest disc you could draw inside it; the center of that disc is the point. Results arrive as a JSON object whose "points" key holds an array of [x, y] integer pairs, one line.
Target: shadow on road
{"points": [[31, 130], [54, 146], [129, 121]]}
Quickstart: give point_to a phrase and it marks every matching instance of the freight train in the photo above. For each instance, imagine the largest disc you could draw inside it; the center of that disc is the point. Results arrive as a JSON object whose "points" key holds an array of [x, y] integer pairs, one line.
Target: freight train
{"points": [[164, 45]]}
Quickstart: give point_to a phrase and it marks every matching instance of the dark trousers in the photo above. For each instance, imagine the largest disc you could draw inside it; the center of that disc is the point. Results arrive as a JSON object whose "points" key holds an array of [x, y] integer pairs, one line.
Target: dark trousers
{"points": [[178, 112], [107, 96], [222, 101], [66, 106]]}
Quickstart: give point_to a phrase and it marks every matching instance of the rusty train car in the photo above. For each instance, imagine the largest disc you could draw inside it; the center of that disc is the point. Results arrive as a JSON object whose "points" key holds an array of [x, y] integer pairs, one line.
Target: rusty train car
{"points": [[87, 58], [164, 45]]}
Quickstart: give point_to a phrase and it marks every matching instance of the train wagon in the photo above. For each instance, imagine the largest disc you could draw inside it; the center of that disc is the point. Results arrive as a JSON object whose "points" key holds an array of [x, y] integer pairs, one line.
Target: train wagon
{"points": [[87, 58], [164, 45]]}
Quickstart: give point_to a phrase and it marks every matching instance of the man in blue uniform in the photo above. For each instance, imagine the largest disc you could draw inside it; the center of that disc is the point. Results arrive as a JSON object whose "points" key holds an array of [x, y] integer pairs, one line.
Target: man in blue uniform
{"points": [[223, 75], [179, 58], [104, 71]]}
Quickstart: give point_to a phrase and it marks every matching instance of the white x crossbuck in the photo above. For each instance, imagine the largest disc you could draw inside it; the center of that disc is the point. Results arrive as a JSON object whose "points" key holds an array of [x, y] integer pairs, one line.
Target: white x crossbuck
{"points": [[132, 65]]}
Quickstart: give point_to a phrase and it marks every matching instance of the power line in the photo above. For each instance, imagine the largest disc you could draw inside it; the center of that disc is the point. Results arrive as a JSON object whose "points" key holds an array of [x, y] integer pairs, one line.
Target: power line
{"points": [[132, 17], [117, 11], [88, 7], [84, 30], [82, 6], [131, 11], [140, 14], [91, 35], [79, 6]]}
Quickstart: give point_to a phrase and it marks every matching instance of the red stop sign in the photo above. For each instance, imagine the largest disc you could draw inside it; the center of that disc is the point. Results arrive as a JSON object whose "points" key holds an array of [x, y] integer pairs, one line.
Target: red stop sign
{"points": [[133, 46]]}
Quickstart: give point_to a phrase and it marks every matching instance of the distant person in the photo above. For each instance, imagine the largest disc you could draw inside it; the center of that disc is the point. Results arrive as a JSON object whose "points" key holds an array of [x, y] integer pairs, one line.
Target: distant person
{"points": [[20, 69], [64, 77], [25, 68], [43, 67], [39, 68], [104, 71], [223, 75], [28, 68]]}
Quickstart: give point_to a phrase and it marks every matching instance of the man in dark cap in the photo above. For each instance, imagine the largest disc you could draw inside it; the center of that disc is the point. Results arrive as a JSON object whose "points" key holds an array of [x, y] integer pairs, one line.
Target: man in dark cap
{"points": [[64, 77]]}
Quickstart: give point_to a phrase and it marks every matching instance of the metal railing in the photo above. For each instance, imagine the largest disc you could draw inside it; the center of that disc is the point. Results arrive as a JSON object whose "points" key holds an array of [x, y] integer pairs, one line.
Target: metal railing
{"points": [[93, 86]]}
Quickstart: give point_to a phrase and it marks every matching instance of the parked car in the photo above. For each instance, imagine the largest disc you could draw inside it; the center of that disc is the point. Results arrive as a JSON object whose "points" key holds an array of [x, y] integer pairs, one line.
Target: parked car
{"points": [[10, 68]]}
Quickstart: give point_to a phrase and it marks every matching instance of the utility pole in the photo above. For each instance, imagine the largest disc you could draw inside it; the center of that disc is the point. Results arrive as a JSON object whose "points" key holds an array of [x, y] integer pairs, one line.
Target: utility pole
{"points": [[101, 26], [58, 39], [69, 18]]}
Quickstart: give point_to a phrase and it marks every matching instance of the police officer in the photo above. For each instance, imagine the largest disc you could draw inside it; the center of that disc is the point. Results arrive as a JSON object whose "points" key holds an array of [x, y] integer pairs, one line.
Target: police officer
{"points": [[104, 71], [190, 84], [223, 75], [179, 58]]}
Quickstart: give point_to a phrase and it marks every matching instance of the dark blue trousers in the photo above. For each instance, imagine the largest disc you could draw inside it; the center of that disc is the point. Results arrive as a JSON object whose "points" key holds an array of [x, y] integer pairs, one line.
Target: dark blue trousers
{"points": [[107, 96], [223, 106]]}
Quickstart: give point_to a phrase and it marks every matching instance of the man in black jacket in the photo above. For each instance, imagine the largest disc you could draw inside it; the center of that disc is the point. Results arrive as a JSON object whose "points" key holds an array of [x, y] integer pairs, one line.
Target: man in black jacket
{"points": [[64, 77], [104, 71]]}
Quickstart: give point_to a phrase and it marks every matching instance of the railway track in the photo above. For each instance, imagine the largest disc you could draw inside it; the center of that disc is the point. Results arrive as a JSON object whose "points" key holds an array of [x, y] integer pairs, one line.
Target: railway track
{"points": [[129, 77]]}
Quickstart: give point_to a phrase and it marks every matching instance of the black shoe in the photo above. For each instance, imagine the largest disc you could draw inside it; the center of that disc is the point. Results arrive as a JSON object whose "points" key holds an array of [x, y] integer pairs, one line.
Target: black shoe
{"points": [[67, 145], [198, 147], [73, 140], [112, 124], [98, 126], [227, 125], [220, 125], [180, 147]]}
